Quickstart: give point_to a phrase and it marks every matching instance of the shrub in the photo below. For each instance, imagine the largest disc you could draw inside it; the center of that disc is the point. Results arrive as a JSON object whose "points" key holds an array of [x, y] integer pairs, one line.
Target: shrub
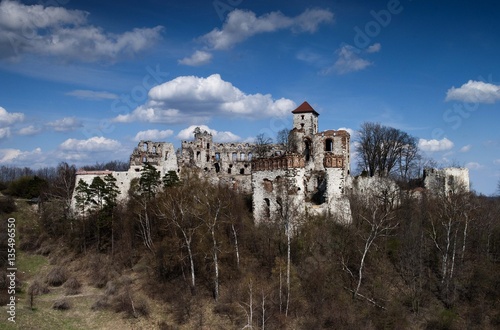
{"points": [[7, 205], [111, 288], [130, 304], [101, 303], [57, 276], [61, 304], [163, 325], [72, 286], [38, 288]]}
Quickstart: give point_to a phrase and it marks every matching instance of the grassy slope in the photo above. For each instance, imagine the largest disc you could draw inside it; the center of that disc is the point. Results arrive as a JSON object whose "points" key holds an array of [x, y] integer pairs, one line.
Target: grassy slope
{"points": [[80, 316]]}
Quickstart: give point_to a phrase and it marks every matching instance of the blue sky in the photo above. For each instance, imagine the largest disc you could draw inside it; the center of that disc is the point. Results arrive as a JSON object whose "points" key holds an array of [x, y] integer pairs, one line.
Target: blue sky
{"points": [[83, 81]]}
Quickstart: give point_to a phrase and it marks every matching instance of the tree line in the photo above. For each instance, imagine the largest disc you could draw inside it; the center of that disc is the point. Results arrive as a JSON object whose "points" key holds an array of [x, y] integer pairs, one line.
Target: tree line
{"points": [[429, 261]]}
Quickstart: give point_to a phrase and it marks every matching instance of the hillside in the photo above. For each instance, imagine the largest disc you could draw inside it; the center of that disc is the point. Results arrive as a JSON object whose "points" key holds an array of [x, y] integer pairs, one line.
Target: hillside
{"points": [[190, 257]]}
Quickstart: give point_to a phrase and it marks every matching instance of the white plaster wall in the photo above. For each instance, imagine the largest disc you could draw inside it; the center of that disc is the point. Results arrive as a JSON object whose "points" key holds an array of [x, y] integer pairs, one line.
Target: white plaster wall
{"points": [[335, 179], [170, 162], [292, 178], [124, 178], [448, 179]]}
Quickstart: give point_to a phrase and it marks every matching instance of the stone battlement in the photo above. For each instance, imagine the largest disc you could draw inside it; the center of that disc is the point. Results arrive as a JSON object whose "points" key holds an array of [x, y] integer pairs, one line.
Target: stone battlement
{"points": [[285, 162]]}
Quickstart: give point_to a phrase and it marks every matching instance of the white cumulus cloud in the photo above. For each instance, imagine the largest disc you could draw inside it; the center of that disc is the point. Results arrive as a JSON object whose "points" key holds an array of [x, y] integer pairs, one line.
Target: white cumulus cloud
{"points": [[153, 135], [466, 148], [29, 130], [96, 143], [474, 166], [92, 95], [474, 92], [349, 60], [4, 133], [9, 118], [351, 132], [191, 99], [243, 24], [375, 48], [66, 34], [10, 156], [199, 57], [224, 136], [435, 145], [65, 124]]}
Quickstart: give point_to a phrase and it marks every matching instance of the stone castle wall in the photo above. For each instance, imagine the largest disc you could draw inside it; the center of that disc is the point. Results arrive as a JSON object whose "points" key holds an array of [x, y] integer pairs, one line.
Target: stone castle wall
{"points": [[311, 175], [447, 180]]}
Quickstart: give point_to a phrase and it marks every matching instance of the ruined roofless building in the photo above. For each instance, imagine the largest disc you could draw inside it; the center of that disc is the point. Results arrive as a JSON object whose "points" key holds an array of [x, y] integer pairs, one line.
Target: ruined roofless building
{"points": [[159, 154], [310, 175], [226, 163], [310, 178]]}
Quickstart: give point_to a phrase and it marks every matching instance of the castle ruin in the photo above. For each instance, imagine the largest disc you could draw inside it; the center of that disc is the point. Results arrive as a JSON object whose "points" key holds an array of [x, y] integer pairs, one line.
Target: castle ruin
{"points": [[308, 175]]}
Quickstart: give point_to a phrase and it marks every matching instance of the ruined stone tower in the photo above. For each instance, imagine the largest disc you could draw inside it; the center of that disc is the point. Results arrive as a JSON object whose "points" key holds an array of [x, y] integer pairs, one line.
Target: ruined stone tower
{"points": [[306, 118], [310, 176]]}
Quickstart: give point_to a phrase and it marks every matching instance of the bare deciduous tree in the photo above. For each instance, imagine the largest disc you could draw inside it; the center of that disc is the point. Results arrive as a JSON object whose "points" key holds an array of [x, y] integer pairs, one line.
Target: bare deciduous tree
{"points": [[212, 201], [176, 206], [449, 218], [386, 151], [262, 145], [376, 219]]}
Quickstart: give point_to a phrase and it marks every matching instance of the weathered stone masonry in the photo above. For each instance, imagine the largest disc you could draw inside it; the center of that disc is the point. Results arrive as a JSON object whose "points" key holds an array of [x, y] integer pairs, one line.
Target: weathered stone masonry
{"points": [[314, 171], [311, 175]]}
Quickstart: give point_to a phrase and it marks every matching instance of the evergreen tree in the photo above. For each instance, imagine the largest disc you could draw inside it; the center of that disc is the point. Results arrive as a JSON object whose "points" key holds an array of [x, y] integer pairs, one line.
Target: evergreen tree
{"points": [[170, 179], [110, 197], [149, 180], [98, 191], [83, 195], [110, 191]]}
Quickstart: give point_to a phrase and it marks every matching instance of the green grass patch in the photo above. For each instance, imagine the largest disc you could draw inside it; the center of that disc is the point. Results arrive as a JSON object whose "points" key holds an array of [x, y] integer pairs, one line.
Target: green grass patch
{"points": [[30, 263]]}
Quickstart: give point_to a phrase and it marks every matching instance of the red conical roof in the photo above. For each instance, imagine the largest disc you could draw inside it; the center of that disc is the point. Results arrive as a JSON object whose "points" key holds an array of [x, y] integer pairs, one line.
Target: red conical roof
{"points": [[305, 108]]}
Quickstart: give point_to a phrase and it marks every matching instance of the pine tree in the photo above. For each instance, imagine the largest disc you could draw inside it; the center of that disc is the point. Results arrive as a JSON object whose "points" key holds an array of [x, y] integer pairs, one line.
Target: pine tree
{"points": [[149, 180], [170, 179]]}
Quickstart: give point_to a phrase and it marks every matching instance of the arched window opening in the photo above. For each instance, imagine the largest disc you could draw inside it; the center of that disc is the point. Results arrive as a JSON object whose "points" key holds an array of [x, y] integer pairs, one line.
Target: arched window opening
{"points": [[279, 201], [242, 171], [268, 185], [154, 149], [217, 156], [307, 150], [234, 156], [328, 145], [145, 147], [267, 209], [249, 156], [242, 156]]}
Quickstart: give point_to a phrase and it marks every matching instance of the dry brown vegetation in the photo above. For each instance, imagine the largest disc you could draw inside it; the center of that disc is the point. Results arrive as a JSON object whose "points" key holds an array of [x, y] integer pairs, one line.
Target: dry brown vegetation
{"points": [[433, 263]]}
